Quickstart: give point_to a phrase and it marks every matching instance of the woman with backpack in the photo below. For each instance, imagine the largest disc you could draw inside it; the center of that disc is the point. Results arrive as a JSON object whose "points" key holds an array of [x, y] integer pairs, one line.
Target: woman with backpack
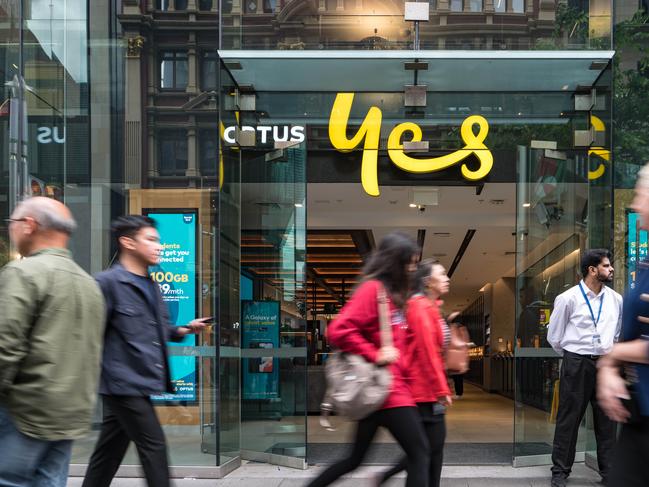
{"points": [[357, 330], [429, 336]]}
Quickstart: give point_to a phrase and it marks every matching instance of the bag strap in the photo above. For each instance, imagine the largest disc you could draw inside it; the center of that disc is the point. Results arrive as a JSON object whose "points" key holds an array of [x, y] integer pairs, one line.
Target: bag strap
{"points": [[384, 318]]}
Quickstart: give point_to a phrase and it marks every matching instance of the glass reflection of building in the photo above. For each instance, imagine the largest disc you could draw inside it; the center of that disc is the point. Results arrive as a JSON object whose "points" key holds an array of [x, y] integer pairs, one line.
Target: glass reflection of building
{"points": [[120, 107]]}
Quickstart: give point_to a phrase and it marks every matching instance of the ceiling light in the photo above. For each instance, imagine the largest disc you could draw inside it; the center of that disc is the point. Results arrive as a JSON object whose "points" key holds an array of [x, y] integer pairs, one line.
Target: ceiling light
{"points": [[299, 205], [412, 205], [526, 205], [565, 87]]}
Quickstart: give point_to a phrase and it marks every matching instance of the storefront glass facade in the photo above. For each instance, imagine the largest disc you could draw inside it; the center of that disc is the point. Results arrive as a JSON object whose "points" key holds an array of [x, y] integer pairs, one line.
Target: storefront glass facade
{"points": [[141, 106]]}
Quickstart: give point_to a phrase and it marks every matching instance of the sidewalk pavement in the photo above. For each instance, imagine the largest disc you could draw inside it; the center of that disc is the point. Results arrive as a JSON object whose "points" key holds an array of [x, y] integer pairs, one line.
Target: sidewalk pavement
{"points": [[263, 475]]}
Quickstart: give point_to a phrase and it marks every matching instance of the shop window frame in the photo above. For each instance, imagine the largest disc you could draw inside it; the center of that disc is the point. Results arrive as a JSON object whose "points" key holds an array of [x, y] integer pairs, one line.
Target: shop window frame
{"points": [[206, 55]]}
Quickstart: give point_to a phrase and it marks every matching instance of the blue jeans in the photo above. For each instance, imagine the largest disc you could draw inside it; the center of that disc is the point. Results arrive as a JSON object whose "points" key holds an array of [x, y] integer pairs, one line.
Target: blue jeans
{"points": [[30, 462]]}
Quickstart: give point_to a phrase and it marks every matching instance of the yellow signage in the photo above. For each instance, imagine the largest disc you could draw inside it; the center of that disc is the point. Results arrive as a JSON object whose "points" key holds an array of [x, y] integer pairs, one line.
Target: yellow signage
{"points": [[370, 134], [601, 152]]}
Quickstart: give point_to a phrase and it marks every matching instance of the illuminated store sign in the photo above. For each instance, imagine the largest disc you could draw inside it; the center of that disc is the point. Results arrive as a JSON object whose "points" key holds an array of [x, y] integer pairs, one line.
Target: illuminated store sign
{"points": [[369, 133], [282, 133]]}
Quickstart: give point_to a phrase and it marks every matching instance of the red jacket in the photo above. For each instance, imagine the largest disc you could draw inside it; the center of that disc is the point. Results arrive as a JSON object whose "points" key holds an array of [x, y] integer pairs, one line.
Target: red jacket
{"points": [[357, 330], [425, 345]]}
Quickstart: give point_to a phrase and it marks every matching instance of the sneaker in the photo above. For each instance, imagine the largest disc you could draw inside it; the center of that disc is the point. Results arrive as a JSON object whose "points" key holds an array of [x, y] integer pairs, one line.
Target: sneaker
{"points": [[558, 481]]}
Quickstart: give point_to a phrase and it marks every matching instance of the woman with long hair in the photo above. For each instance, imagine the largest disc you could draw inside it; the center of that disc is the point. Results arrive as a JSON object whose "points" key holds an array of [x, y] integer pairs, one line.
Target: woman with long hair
{"points": [[428, 336], [357, 330]]}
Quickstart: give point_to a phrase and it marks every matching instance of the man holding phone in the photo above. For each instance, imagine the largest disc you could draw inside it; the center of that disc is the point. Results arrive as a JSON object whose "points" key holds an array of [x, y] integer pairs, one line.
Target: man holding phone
{"points": [[135, 362]]}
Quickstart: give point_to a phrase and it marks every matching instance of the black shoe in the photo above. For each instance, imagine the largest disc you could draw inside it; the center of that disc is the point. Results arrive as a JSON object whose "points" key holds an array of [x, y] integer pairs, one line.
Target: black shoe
{"points": [[558, 481]]}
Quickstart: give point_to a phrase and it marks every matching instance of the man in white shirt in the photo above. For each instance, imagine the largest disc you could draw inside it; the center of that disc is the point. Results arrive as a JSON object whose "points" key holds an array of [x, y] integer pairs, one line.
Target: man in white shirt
{"points": [[584, 325]]}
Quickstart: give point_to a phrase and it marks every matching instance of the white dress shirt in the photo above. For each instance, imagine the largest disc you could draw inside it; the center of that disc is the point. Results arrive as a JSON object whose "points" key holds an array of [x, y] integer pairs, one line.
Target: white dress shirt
{"points": [[572, 327]]}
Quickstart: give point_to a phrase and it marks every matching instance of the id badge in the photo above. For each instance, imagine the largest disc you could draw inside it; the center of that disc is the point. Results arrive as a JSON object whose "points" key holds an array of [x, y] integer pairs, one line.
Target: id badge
{"points": [[597, 340]]}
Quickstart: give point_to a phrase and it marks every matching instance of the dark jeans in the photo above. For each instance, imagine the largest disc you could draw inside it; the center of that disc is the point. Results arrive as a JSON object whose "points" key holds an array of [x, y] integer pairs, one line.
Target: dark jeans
{"points": [[435, 429], [128, 419], [577, 388], [458, 384], [631, 456], [30, 462], [405, 425]]}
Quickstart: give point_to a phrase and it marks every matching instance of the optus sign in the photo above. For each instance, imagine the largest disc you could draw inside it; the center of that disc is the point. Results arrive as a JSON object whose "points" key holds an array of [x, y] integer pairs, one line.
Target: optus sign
{"points": [[369, 133]]}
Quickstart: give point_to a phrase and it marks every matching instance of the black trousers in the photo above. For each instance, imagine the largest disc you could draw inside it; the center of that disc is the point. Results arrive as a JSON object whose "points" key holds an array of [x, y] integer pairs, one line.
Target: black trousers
{"points": [[631, 456], [406, 427], [458, 384], [128, 419], [578, 388], [435, 428]]}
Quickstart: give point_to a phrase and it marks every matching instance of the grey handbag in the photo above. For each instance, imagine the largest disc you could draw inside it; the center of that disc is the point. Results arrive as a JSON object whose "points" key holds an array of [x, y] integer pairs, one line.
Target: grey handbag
{"points": [[355, 387]]}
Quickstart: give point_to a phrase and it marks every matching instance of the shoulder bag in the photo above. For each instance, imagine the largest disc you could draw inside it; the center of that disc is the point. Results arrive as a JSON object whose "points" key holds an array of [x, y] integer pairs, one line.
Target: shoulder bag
{"points": [[356, 387], [457, 354]]}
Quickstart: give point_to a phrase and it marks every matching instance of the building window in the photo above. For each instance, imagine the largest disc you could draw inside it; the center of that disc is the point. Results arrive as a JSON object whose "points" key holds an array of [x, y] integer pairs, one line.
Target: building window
{"points": [[181, 4], [209, 66], [456, 6], [208, 151], [475, 5], [250, 6], [204, 4], [172, 152], [174, 68], [500, 6], [269, 6], [518, 6], [162, 4]]}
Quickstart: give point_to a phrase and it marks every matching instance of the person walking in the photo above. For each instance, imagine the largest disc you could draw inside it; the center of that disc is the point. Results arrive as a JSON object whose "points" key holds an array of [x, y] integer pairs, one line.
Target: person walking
{"points": [[631, 455], [50, 348], [357, 330], [135, 363], [428, 337], [584, 325]]}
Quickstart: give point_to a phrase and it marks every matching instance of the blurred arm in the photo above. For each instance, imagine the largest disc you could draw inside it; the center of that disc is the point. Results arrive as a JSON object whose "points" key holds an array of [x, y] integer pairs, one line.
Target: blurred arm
{"points": [[558, 320]]}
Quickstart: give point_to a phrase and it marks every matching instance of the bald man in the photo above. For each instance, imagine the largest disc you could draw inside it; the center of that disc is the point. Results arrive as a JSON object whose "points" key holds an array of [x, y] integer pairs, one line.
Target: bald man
{"points": [[51, 329]]}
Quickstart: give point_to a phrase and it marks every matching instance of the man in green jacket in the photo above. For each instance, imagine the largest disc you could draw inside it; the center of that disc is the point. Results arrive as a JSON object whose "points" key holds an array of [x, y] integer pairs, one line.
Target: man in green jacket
{"points": [[51, 329]]}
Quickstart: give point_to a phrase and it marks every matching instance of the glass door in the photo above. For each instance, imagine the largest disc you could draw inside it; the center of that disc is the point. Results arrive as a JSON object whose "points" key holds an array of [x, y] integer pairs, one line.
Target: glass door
{"points": [[558, 216]]}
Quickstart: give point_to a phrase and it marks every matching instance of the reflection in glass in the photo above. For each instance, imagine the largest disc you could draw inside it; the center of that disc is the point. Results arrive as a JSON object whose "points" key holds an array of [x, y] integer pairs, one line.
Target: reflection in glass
{"points": [[475, 5], [209, 67], [518, 6], [456, 6], [500, 5], [181, 4], [163, 4], [208, 151], [205, 4]]}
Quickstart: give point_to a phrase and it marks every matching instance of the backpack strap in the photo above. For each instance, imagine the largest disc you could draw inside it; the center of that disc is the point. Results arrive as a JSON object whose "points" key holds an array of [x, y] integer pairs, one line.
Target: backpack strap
{"points": [[384, 317]]}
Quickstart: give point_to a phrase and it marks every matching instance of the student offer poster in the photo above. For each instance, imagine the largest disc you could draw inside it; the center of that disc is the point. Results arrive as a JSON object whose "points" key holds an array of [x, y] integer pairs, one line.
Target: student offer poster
{"points": [[260, 330], [176, 276]]}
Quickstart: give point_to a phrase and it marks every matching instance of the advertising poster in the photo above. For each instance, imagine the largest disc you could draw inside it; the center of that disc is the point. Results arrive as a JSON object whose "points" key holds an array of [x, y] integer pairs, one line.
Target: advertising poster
{"points": [[260, 329], [637, 241], [176, 276]]}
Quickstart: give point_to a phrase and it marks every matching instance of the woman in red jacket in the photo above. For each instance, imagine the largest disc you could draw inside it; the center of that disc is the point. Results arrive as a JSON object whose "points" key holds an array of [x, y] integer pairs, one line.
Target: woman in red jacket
{"points": [[428, 336], [357, 330]]}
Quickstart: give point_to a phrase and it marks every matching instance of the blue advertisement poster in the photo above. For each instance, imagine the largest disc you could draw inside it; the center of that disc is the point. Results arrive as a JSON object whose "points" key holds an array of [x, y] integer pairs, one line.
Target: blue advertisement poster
{"points": [[637, 242], [176, 276], [260, 329]]}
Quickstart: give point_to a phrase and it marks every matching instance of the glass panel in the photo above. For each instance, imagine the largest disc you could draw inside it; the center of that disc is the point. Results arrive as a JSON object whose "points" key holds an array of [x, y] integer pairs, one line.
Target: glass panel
{"points": [[475, 5], [173, 152], [229, 249], [205, 4], [351, 25], [209, 66], [163, 4], [181, 4], [273, 313]]}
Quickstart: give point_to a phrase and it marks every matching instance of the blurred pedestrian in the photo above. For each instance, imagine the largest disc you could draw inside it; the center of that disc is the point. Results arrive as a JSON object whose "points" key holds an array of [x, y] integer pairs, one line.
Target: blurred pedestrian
{"points": [[428, 337], [630, 405], [50, 348], [584, 325], [135, 364], [357, 330]]}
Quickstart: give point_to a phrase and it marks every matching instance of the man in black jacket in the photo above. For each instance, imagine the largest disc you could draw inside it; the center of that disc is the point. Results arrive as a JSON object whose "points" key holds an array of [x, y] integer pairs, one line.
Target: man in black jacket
{"points": [[135, 363]]}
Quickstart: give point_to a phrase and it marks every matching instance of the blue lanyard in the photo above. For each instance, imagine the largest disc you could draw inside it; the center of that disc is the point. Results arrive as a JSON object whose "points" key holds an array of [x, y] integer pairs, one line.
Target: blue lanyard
{"points": [[590, 308]]}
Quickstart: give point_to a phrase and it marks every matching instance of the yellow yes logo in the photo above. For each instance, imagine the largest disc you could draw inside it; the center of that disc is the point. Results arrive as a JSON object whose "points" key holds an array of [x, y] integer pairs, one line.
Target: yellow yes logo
{"points": [[370, 133]]}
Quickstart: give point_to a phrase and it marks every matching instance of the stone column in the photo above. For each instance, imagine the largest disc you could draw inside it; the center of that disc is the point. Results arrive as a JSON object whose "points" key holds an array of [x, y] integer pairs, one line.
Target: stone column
{"points": [[340, 5], [192, 66], [133, 110], [192, 149]]}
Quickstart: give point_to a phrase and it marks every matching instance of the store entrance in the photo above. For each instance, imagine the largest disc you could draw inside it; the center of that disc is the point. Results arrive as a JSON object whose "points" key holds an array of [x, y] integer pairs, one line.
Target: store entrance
{"points": [[470, 229], [487, 170]]}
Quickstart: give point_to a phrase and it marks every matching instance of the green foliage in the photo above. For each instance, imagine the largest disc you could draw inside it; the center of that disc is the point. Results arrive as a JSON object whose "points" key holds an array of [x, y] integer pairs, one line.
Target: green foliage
{"points": [[631, 93]]}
